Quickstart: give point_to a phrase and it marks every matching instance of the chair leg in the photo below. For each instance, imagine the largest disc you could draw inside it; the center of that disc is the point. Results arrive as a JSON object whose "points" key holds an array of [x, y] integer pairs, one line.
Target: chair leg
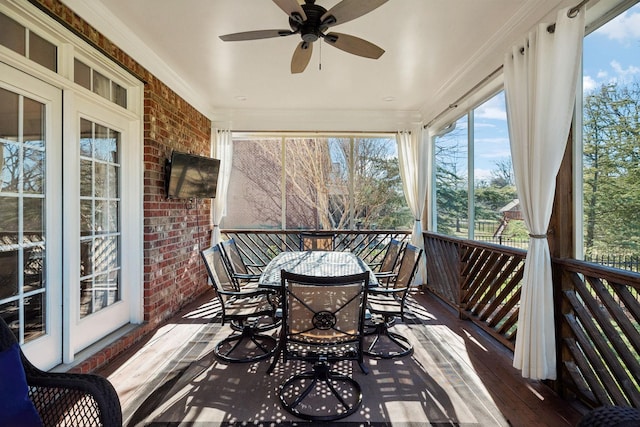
{"points": [[383, 338], [263, 324], [276, 357], [237, 348], [316, 386]]}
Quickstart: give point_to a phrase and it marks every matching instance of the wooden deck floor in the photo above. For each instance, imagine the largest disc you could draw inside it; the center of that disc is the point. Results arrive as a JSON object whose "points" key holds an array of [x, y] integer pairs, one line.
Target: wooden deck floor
{"points": [[456, 376]]}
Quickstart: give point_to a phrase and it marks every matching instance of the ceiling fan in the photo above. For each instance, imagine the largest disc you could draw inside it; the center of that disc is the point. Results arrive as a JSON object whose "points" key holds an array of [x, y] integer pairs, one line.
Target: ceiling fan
{"points": [[312, 21]]}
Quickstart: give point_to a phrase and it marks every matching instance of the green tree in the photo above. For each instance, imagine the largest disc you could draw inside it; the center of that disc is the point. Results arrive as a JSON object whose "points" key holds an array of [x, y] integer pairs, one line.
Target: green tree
{"points": [[611, 156], [451, 183]]}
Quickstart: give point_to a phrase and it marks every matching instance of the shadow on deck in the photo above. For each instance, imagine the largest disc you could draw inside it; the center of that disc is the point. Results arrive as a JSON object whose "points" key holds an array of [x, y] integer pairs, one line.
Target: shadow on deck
{"points": [[457, 375]]}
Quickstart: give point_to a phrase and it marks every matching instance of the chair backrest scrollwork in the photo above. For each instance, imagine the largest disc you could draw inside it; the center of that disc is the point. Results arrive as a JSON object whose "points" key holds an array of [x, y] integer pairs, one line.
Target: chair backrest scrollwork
{"points": [[324, 315]]}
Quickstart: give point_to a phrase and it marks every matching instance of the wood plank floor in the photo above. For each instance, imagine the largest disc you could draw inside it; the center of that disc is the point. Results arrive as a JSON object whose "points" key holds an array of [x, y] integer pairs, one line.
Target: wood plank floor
{"points": [[457, 375]]}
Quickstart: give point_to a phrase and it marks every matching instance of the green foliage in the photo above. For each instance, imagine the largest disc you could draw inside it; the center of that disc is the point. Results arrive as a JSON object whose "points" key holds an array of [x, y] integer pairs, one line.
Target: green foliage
{"points": [[379, 195], [516, 230], [490, 198], [611, 156]]}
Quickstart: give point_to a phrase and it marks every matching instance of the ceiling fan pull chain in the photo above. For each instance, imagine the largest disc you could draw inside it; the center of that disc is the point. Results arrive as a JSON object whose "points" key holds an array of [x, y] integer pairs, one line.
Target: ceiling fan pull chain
{"points": [[320, 57]]}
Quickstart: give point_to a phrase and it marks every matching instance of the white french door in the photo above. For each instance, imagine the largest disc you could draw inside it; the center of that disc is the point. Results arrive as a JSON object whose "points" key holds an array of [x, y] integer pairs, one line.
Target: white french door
{"points": [[31, 254], [95, 161], [68, 277]]}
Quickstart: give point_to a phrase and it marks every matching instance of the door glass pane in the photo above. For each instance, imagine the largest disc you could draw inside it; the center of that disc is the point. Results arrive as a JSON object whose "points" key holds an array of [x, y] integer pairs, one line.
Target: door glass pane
{"points": [[33, 171], [34, 316], [99, 214], [22, 214], [33, 123], [8, 273]]}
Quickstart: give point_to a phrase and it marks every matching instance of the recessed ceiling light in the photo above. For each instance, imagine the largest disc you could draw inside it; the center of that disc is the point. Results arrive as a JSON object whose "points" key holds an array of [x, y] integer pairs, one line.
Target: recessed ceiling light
{"points": [[388, 98], [241, 98]]}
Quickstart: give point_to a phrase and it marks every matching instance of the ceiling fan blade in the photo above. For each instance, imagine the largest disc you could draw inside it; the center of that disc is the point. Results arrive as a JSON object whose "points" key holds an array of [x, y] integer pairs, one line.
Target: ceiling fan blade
{"points": [[354, 45], [301, 57], [255, 35], [347, 10], [291, 8]]}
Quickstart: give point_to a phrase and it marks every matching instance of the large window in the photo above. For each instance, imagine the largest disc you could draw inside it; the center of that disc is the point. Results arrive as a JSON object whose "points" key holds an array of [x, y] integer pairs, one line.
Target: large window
{"points": [[474, 178], [311, 182], [611, 142]]}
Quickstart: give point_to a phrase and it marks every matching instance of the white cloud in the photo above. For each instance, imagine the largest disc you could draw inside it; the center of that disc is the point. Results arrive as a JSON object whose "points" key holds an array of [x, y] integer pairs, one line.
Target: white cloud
{"points": [[484, 125], [624, 28], [492, 113], [624, 74], [588, 83], [482, 174], [492, 109]]}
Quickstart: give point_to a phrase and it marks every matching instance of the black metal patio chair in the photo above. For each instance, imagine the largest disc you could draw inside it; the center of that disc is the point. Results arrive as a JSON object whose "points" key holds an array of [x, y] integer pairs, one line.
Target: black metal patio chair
{"points": [[323, 323], [317, 241], [244, 307], [387, 302], [242, 273], [387, 270]]}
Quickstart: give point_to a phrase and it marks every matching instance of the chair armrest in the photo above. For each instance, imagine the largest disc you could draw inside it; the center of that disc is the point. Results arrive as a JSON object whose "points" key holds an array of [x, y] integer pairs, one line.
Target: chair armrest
{"points": [[246, 276], [256, 265], [82, 399], [385, 291], [250, 293], [373, 265], [385, 274]]}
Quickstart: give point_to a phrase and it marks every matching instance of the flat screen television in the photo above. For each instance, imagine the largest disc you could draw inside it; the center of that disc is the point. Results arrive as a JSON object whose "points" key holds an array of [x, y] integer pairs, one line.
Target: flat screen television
{"points": [[191, 176]]}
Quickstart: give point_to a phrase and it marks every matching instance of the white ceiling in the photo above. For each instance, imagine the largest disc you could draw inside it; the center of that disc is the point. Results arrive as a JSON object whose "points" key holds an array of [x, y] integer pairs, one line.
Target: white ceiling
{"points": [[436, 50]]}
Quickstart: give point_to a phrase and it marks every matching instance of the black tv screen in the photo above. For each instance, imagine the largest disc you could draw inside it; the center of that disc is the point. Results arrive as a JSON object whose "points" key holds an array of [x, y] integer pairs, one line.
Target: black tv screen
{"points": [[192, 176]]}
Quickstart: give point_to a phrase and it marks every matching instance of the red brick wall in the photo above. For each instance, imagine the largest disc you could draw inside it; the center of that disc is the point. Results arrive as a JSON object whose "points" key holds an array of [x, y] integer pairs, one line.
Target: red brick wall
{"points": [[174, 230]]}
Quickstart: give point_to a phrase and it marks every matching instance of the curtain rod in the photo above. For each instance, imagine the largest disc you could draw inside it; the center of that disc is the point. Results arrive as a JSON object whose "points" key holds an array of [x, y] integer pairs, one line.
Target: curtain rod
{"points": [[465, 95], [571, 13]]}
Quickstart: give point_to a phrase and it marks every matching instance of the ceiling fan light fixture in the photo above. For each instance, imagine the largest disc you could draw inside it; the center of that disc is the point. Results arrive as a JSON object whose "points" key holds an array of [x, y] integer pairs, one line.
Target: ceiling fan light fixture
{"points": [[309, 37]]}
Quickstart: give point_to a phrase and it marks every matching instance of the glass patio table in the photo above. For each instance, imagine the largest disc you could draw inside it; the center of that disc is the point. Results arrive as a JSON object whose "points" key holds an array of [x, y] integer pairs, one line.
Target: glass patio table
{"points": [[314, 263]]}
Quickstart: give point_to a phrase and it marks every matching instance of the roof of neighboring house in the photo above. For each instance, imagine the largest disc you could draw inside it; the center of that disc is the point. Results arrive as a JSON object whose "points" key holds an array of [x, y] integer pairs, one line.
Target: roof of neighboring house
{"points": [[512, 206]]}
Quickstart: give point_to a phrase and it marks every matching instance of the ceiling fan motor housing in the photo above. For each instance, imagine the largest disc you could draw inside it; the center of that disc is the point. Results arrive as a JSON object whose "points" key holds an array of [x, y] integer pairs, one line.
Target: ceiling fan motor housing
{"points": [[310, 30]]}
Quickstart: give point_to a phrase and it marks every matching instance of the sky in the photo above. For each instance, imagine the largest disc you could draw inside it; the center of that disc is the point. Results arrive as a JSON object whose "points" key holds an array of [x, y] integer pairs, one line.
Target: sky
{"points": [[611, 53]]}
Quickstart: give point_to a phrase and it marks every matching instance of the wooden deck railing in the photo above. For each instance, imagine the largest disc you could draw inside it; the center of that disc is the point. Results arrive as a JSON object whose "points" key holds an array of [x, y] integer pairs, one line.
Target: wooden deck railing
{"points": [[598, 307], [597, 312], [480, 280], [600, 332], [260, 246]]}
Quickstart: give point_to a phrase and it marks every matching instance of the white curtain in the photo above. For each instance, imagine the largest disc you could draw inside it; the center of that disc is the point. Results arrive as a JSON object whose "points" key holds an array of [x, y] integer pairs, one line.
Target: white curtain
{"points": [[413, 159], [222, 149], [541, 75]]}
